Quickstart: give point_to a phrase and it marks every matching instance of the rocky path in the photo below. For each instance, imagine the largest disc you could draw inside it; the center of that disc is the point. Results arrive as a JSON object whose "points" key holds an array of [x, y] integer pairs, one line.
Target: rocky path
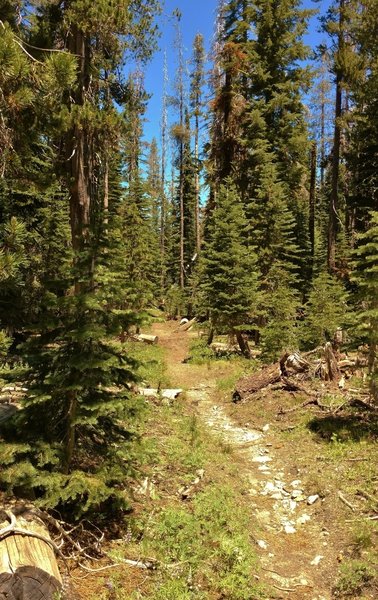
{"points": [[294, 547]]}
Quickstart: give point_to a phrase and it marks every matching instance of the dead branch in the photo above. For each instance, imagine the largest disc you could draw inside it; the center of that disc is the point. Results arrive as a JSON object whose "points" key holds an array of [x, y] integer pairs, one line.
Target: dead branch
{"points": [[345, 501]]}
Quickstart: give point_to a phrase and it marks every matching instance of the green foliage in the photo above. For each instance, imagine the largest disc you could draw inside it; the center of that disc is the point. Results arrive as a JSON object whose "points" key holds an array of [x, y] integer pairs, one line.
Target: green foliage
{"points": [[215, 522], [280, 312], [354, 576], [325, 310], [228, 271], [365, 276]]}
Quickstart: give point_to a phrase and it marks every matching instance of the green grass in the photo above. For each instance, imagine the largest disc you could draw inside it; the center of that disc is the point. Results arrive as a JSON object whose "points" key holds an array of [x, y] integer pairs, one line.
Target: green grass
{"points": [[203, 545], [151, 366]]}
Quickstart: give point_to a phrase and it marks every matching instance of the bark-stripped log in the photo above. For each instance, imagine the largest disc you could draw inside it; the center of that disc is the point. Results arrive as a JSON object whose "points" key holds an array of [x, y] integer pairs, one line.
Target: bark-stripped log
{"points": [[28, 567]]}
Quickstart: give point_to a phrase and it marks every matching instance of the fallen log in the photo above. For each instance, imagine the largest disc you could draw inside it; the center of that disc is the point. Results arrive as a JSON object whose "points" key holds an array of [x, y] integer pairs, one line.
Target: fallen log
{"points": [[28, 567], [155, 393], [147, 339], [222, 349], [251, 384], [186, 326]]}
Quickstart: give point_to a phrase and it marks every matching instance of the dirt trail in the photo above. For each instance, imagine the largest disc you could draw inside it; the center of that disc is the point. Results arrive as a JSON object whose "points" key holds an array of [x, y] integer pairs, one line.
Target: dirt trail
{"points": [[294, 548]]}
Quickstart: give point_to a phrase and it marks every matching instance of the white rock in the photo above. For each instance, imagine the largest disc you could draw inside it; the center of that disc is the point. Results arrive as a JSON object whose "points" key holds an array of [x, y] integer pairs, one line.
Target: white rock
{"points": [[312, 499], [266, 428], [303, 519], [296, 493], [261, 459], [262, 544], [264, 468], [276, 496], [269, 488], [316, 560], [288, 528], [296, 483]]}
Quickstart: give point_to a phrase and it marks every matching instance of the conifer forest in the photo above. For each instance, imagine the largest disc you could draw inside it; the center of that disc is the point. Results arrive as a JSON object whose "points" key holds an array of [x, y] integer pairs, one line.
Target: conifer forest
{"points": [[188, 318]]}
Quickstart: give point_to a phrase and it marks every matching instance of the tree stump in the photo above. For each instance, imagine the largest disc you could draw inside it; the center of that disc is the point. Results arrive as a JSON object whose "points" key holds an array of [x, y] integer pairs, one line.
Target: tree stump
{"points": [[28, 567], [332, 371]]}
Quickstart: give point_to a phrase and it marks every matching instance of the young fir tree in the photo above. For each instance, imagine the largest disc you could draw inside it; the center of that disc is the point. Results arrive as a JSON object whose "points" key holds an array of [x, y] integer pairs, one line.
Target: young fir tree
{"points": [[278, 312], [365, 276], [325, 311], [228, 271]]}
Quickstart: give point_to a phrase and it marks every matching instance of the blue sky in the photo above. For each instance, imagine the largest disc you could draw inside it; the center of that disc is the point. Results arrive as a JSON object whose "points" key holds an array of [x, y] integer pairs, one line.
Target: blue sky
{"points": [[197, 17]]}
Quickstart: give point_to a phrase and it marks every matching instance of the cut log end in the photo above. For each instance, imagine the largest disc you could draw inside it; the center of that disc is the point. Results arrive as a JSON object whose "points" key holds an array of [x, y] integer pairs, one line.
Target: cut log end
{"points": [[29, 583]]}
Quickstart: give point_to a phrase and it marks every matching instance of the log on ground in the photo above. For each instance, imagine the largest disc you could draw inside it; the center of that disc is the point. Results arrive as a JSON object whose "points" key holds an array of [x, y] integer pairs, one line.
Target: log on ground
{"points": [[28, 567], [146, 339], [188, 325], [251, 384]]}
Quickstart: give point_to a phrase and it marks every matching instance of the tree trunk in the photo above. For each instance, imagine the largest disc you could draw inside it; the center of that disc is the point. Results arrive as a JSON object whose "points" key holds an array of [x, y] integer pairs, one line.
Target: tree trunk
{"points": [[28, 567], [312, 200], [332, 372], [78, 176], [197, 183], [243, 344], [334, 198]]}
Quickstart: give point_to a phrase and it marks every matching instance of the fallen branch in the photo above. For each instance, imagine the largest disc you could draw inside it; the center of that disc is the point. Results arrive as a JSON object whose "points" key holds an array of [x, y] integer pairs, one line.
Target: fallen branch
{"points": [[369, 497], [345, 501], [298, 407]]}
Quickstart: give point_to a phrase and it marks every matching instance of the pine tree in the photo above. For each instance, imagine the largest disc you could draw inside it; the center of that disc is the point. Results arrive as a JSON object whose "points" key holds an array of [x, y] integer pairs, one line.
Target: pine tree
{"points": [[365, 276], [196, 100], [325, 311], [228, 271], [338, 23], [76, 371]]}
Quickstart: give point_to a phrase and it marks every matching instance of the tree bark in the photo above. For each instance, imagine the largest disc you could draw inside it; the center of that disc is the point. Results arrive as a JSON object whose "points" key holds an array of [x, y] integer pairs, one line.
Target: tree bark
{"points": [[334, 198], [312, 200], [243, 344]]}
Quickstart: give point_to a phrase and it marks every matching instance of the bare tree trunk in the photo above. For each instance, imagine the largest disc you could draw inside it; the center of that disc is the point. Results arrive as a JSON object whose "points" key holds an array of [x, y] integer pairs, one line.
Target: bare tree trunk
{"points": [[243, 344], [164, 124], [79, 159], [312, 200], [334, 199]]}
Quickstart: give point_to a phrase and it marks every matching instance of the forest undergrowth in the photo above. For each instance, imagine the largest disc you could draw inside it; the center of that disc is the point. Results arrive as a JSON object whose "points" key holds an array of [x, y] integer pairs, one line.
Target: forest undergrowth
{"points": [[194, 520]]}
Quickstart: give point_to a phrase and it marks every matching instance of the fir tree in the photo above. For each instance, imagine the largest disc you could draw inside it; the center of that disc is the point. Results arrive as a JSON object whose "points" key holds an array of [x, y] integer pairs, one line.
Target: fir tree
{"points": [[325, 311], [196, 101], [228, 269], [365, 276]]}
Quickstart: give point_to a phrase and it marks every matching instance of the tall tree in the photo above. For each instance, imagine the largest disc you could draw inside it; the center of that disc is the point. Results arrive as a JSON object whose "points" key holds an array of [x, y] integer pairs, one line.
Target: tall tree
{"points": [[74, 360], [196, 91], [179, 134], [228, 268]]}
